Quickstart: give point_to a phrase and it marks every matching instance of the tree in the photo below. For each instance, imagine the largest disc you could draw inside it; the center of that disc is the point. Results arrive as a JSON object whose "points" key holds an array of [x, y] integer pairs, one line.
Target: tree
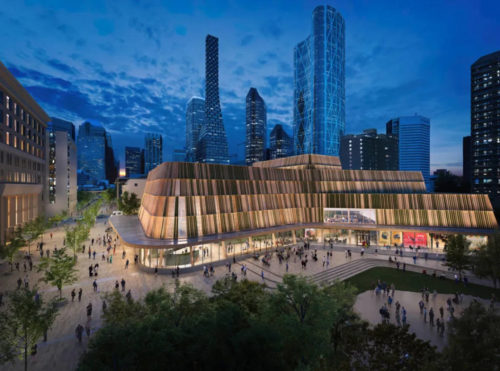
{"points": [[473, 340], [457, 254], [75, 236], [10, 250], [23, 322], [129, 203], [56, 219], [487, 259], [33, 229], [58, 270]]}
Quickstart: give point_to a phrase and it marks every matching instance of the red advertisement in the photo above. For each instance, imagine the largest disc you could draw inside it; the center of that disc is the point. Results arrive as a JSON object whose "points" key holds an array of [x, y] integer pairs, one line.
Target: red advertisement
{"points": [[415, 239]]}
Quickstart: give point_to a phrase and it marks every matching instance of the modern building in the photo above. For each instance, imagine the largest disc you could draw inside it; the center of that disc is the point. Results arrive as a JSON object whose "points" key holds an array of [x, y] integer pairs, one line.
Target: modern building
{"points": [[212, 144], [192, 214], [112, 163], [153, 152], [369, 151], [467, 163], [23, 151], [485, 126], [62, 166], [256, 124], [414, 144], [319, 85], [179, 155], [91, 148], [195, 117], [280, 143], [133, 160]]}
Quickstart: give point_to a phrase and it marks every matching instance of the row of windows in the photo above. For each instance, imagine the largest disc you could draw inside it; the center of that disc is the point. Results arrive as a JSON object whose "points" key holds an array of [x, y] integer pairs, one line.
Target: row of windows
{"points": [[16, 108], [19, 177]]}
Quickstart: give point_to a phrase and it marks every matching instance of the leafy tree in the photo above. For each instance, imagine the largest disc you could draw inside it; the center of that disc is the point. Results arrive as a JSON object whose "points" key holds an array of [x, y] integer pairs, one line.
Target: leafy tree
{"points": [[457, 253], [473, 340], [33, 230], [56, 219], [23, 322], [75, 236], [249, 295], [129, 203], [58, 270], [10, 250], [389, 347], [487, 259]]}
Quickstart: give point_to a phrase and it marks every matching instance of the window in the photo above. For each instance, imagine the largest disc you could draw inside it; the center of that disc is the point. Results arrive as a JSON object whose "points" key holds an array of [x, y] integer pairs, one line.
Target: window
{"points": [[7, 102]]}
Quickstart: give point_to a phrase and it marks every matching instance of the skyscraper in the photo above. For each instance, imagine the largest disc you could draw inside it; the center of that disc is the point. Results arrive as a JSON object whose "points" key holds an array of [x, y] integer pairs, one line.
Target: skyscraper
{"points": [[112, 165], [91, 148], [62, 181], [369, 151], [195, 116], [413, 134], [467, 163], [133, 159], [212, 144], [319, 85], [153, 152], [485, 126], [280, 143], [255, 146]]}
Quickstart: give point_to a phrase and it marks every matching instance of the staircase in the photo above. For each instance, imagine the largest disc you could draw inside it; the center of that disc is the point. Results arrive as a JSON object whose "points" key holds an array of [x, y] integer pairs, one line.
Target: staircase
{"points": [[345, 271]]}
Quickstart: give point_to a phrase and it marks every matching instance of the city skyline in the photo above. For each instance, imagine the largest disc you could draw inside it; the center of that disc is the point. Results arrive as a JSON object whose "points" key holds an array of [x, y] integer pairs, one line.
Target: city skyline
{"points": [[423, 67]]}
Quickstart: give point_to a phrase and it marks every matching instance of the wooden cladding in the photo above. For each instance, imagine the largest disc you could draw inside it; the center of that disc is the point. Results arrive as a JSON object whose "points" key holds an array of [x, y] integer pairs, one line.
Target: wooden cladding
{"points": [[307, 161]]}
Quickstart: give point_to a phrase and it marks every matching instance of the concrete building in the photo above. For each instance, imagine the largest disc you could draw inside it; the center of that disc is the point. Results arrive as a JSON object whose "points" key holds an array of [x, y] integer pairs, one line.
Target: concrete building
{"points": [[62, 168], [319, 85], [280, 143], [256, 128], [153, 151], [485, 126], [195, 117], [414, 144], [192, 214], [23, 153], [369, 151]]}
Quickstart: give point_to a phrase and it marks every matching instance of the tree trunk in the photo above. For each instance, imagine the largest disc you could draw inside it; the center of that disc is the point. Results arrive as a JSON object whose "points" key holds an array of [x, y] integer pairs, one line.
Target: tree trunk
{"points": [[25, 351]]}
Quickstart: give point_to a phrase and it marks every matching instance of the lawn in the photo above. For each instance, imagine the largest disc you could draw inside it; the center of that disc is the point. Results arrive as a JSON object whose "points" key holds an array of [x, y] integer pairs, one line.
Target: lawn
{"points": [[412, 281]]}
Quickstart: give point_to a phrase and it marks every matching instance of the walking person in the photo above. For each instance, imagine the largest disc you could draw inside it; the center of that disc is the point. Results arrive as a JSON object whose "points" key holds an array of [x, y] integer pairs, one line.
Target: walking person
{"points": [[87, 330], [431, 317], [79, 332], [441, 312], [126, 264], [425, 315], [73, 294], [95, 285], [123, 284], [80, 294], [89, 310], [262, 275]]}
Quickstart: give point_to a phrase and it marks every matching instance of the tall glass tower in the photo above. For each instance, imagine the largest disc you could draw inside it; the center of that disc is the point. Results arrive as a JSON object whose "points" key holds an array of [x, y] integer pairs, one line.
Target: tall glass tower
{"points": [[153, 153], [195, 116], [91, 151], [255, 146], [212, 144], [319, 85], [414, 143]]}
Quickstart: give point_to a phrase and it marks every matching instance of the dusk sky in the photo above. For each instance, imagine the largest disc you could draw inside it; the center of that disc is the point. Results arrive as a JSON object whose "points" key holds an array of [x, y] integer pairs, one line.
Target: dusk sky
{"points": [[133, 65]]}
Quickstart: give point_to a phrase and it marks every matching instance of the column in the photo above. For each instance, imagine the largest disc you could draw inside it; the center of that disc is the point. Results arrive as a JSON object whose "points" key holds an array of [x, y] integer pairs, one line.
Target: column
{"points": [[224, 250], [273, 236], [191, 255], [250, 243], [294, 237]]}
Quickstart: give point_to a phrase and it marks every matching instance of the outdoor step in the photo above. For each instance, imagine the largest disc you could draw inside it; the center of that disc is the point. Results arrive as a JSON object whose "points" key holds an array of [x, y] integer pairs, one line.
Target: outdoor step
{"points": [[335, 270], [347, 273]]}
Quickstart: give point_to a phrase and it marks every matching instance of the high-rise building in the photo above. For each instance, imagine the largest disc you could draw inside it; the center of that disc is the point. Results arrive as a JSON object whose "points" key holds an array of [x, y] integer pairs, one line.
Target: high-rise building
{"points": [[23, 155], [153, 151], [62, 166], [256, 123], [112, 164], [179, 155], [133, 160], [369, 151], [280, 143], [467, 163], [91, 147], [319, 85], [212, 143], [414, 143], [485, 126], [195, 116]]}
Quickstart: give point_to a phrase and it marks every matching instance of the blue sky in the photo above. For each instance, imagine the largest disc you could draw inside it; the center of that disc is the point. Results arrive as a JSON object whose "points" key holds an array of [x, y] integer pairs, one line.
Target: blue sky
{"points": [[133, 65]]}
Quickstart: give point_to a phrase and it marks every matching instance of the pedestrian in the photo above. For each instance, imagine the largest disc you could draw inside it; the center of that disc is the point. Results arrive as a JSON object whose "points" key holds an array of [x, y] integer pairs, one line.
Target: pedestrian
{"points": [[414, 259], [87, 330], [80, 294], [287, 266], [441, 312], [104, 306], [431, 317], [128, 296], [111, 259], [31, 265], [156, 271], [79, 332], [24, 265], [89, 310], [95, 285], [421, 306], [19, 283], [93, 254], [404, 267], [393, 289], [126, 264], [123, 254], [117, 285], [73, 294], [425, 315], [123, 284], [262, 274]]}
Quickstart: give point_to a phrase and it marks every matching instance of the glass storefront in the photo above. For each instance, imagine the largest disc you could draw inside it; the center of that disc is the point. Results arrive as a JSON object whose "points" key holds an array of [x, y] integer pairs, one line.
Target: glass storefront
{"points": [[349, 216]]}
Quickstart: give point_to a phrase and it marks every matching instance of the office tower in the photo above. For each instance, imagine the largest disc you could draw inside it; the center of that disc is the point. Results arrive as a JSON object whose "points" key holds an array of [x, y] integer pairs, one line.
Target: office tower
{"points": [[179, 155], [369, 151], [256, 125], [133, 160], [212, 144], [91, 149], [112, 164], [62, 166], [280, 143], [153, 151], [195, 116], [23, 166], [413, 134], [467, 163], [485, 126], [319, 85]]}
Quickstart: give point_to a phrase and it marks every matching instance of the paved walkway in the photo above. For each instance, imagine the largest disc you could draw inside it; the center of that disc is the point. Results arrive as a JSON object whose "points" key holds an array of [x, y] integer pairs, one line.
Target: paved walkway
{"points": [[62, 350]]}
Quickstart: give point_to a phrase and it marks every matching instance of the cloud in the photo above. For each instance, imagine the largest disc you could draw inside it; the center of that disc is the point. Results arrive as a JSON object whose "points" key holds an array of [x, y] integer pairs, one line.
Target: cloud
{"points": [[104, 26], [60, 66], [180, 30], [271, 29], [152, 33], [247, 39]]}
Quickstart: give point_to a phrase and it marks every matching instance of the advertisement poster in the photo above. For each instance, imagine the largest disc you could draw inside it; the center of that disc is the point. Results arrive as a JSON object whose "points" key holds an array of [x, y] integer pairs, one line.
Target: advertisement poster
{"points": [[415, 239], [396, 238], [421, 239], [311, 234], [409, 238], [384, 238]]}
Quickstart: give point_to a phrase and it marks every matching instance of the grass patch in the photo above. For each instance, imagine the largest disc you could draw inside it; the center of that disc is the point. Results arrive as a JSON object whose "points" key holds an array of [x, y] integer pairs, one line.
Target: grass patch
{"points": [[412, 281]]}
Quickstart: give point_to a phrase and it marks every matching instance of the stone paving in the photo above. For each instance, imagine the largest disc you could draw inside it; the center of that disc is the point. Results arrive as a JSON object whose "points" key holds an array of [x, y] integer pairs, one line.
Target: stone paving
{"points": [[62, 350]]}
